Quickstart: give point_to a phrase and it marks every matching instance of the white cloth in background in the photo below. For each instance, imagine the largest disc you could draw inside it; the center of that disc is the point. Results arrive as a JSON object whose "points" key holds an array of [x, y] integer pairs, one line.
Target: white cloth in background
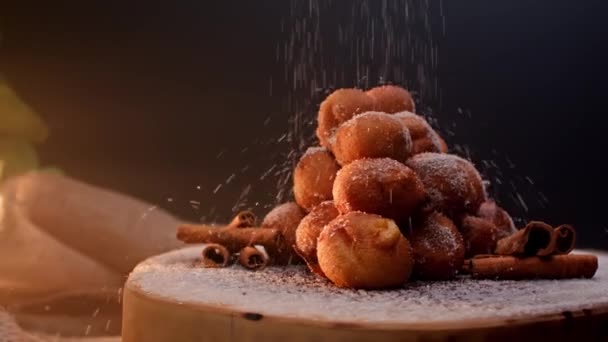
{"points": [[11, 332], [65, 250]]}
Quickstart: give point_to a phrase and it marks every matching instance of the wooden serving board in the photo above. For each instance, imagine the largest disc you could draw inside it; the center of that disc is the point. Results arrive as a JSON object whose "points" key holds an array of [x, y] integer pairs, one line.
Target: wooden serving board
{"points": [[168, 298]]}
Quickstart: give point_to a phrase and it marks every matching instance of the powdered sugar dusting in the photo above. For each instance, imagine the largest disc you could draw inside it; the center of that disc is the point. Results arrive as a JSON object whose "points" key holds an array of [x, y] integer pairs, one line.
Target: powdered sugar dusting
{"points": [[368, 114], [447, 167], [314, 150], [430, 132], [294, 292], [441, 238], [370, 170], [407, 139], [374, 168], [284, 215]]}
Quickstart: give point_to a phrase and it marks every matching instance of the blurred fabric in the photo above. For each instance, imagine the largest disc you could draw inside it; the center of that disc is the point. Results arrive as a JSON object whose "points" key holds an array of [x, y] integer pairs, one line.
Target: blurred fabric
{"points": [[66, 248]]}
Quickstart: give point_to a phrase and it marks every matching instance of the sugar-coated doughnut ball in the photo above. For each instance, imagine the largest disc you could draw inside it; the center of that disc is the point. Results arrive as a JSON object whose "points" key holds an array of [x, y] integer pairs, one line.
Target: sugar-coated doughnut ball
{"points": [[364, 251], [285, 217], [378, 186], [339, 107], [308, 232], [424, 137], [438, 247], [453, 184], [480, 236], [371, 135], [313, 177], [490, 211], [392, 99]]}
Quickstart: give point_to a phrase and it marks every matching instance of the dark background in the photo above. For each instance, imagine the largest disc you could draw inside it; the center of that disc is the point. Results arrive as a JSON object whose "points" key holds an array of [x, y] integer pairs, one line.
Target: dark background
{"points": [[165, 102]]}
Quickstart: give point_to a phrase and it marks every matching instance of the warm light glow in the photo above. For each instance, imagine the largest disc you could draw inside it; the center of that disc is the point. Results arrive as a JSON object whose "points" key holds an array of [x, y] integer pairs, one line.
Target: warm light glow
{"points": [[1, 212], [1, 199]]}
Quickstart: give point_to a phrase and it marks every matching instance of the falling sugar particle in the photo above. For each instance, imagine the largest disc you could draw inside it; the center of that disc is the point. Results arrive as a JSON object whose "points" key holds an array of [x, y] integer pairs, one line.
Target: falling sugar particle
{"points": [[376, 43], [150, 210], [521, 201], [195, 204]]}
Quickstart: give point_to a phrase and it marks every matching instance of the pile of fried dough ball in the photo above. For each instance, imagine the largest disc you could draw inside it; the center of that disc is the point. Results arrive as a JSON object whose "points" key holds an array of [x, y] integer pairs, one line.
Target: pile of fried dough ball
{"points": [[381, 200]]}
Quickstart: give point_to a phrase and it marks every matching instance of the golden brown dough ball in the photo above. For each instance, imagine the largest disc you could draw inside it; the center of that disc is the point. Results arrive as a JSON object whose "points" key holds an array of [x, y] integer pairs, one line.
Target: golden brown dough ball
{"points": [[308, 232], [392, 99], [480, 236], [453, 184], [371, 135], [285, 217], [490, 211], [424, 137], [378, 186], [314, 176], [438, 248], [444, 146], [364, 251], [339, 107]]}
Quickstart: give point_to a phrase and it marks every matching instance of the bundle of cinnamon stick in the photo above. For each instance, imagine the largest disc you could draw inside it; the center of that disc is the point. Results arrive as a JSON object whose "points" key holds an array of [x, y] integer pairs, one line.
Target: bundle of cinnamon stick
{"points": [[238, 241], [537, 251]]}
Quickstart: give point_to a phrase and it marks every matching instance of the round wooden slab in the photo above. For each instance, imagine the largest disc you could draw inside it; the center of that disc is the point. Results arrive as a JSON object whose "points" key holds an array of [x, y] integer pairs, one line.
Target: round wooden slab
{"points": [[170, 298]]}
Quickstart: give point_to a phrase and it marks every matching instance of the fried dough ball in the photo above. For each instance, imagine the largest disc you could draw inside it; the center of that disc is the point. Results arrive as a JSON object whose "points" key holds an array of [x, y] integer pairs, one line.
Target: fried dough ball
{"points": [[424, 137], [438, 248], [444, 146], [480, 236], [313, 177], [490, 211], [453, 184], [338, 107], [371, 135], [285, 217], [364, 251], [392, 99], [308, 232], [378, 186]]}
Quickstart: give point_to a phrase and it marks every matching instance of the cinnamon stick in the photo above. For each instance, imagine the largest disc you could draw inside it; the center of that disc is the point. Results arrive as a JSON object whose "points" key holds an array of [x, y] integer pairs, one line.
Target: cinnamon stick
{"points": [[253, 258], [244, 219], [565, 238], [513, 268], [534, 239], [233, 239], [215, 255]]}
